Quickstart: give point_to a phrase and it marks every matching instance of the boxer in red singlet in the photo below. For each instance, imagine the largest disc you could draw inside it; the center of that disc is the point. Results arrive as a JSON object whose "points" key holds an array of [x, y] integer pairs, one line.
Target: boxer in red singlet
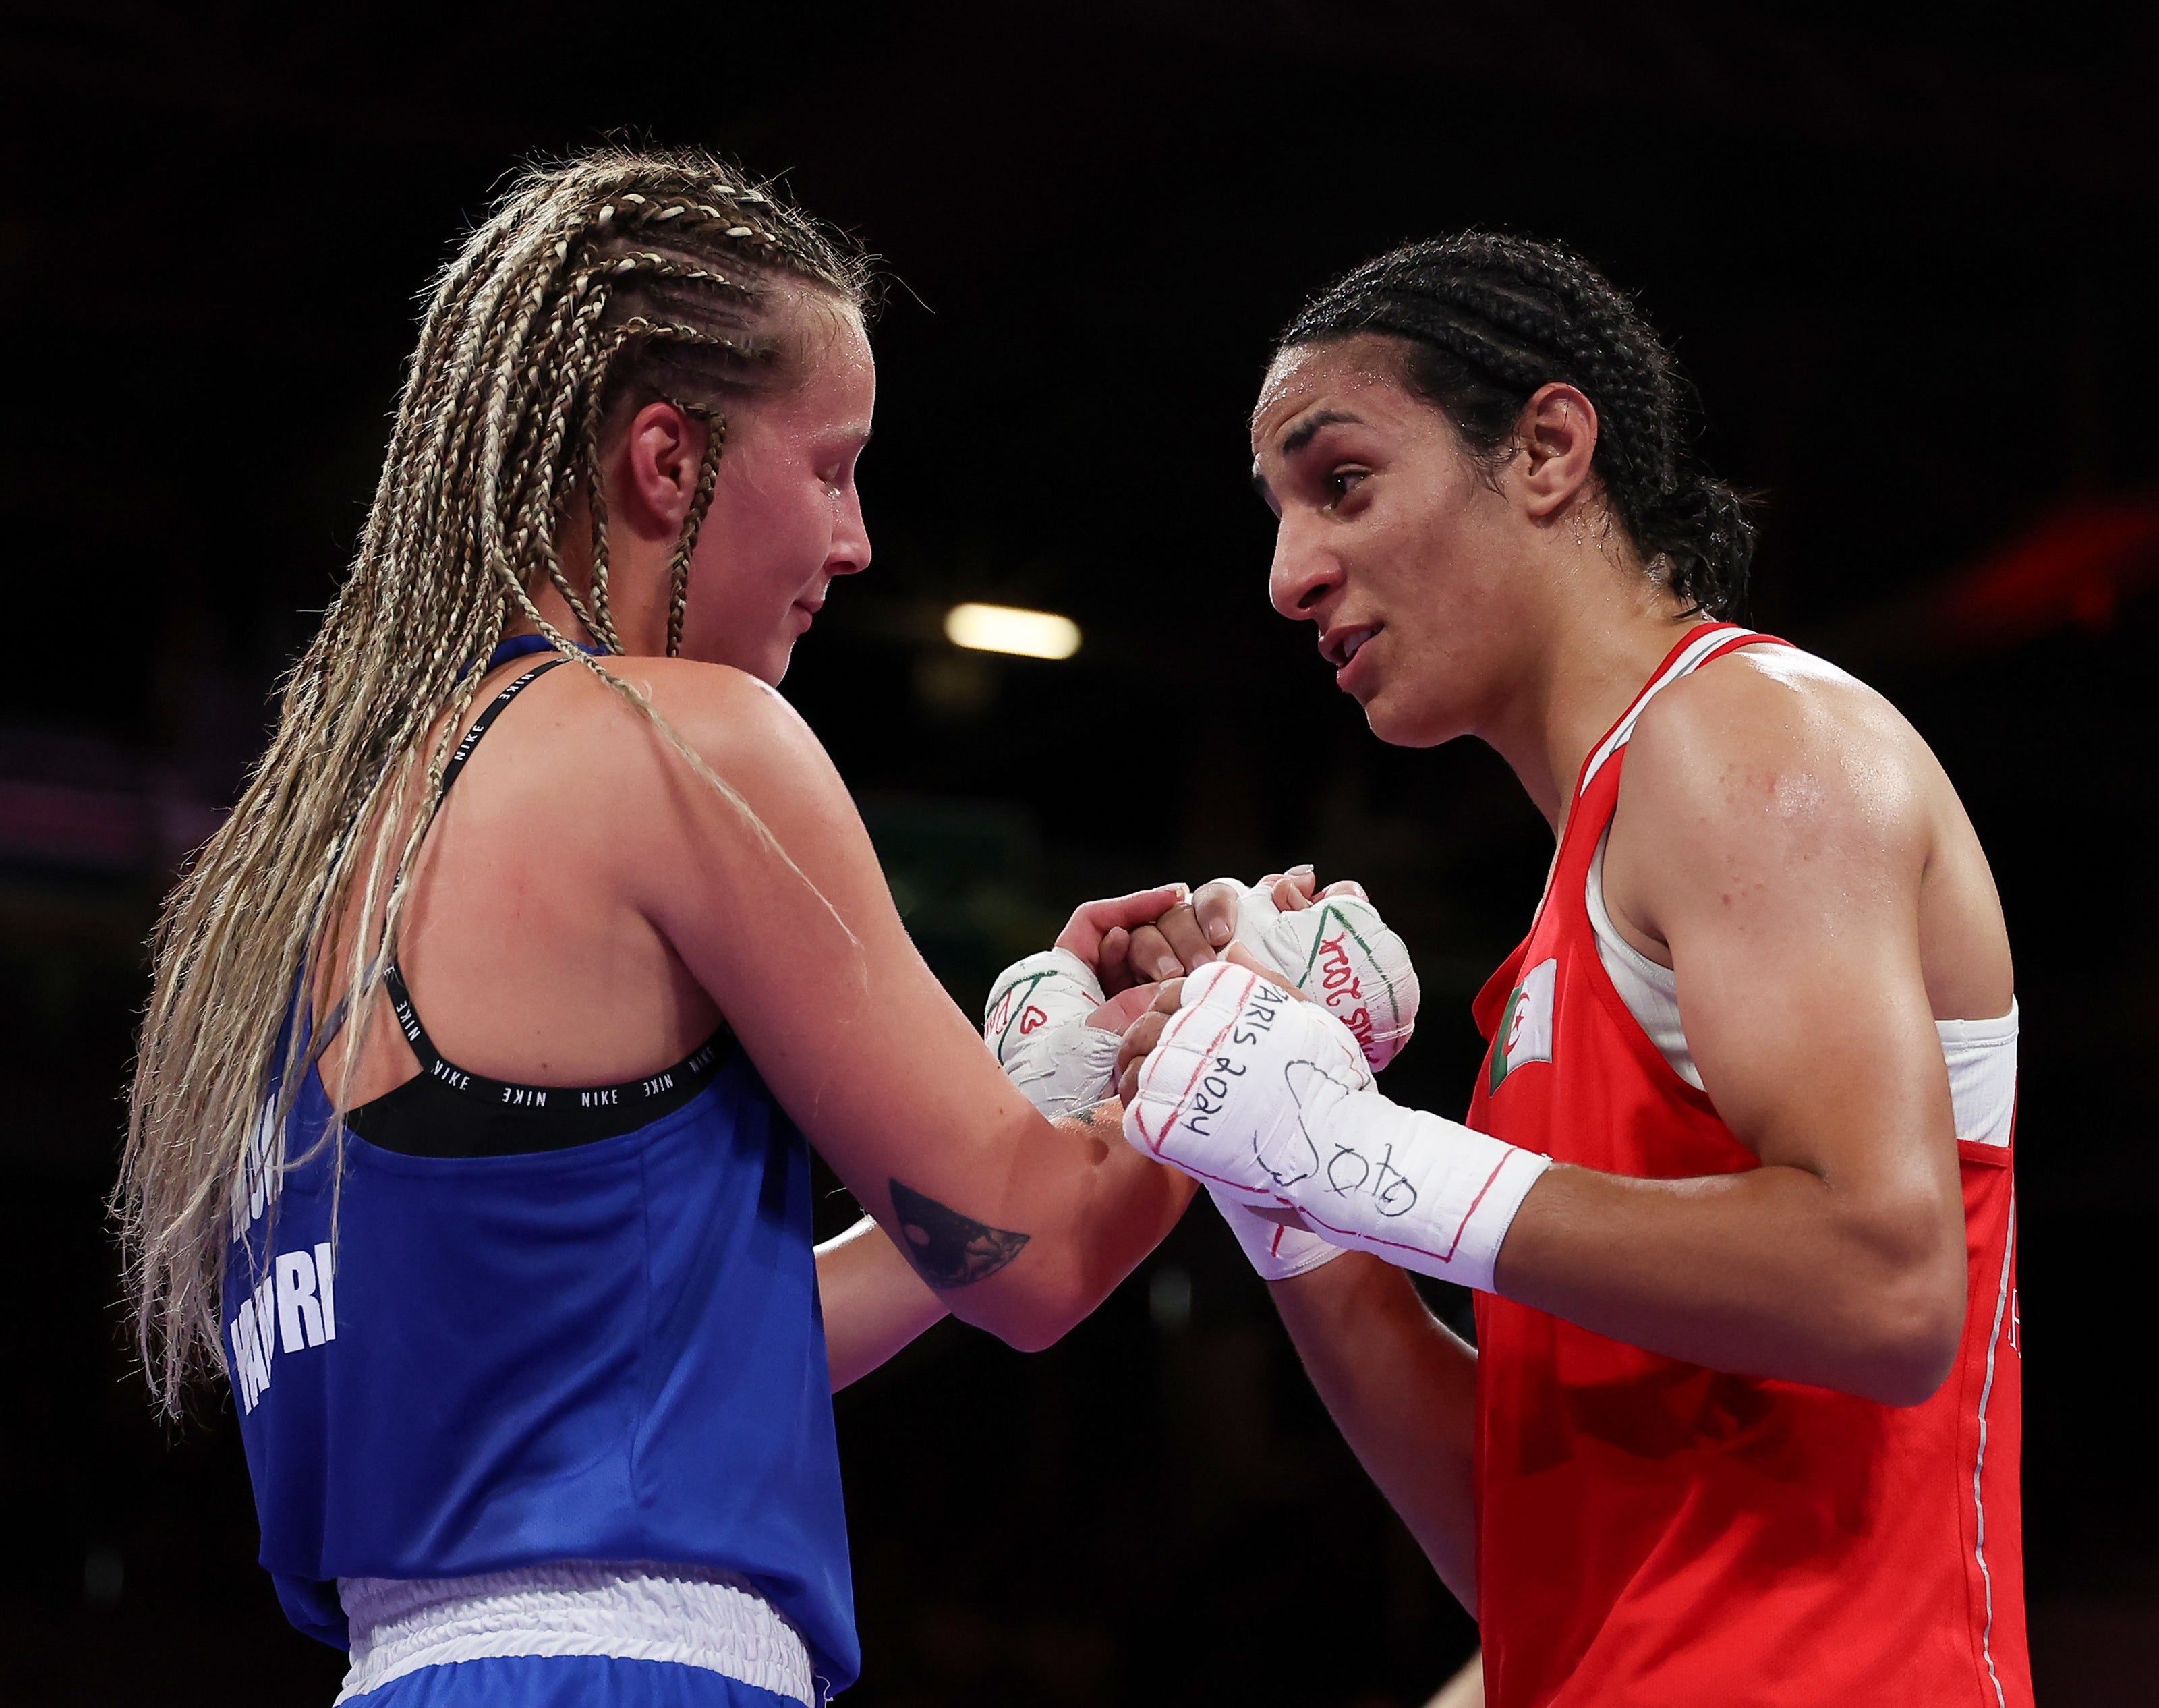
{"points": [[1742, 1423]]}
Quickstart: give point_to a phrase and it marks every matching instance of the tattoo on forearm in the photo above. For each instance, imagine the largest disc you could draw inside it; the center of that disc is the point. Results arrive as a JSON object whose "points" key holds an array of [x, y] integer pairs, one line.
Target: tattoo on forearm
{"points": [[949, 1248], [1090, 1117]]}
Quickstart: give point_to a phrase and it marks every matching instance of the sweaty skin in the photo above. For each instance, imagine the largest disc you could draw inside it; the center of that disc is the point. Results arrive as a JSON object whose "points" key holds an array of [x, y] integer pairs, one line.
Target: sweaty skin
{"points": [[1783, 840], [586, 908]]}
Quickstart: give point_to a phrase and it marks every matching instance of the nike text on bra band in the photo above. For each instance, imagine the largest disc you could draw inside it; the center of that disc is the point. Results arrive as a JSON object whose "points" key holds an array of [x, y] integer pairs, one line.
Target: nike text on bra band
{"points": [[693, 1070]]}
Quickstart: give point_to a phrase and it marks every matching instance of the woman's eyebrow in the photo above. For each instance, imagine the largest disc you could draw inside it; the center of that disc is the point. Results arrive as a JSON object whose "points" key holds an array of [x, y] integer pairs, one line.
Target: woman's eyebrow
{"points": [[1296, 439], [1298, 436]]}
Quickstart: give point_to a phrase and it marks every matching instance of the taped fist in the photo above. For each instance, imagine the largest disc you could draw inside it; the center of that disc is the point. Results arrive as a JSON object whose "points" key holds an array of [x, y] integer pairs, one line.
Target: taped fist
{"points": [[1224, 1094], [1037, 1023], [1268, 1099], [1338, 951]]}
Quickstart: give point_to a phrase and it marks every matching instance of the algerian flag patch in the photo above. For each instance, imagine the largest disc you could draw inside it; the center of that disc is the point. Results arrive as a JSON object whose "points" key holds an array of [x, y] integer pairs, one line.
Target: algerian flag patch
{"points": [[1525, 1031]]}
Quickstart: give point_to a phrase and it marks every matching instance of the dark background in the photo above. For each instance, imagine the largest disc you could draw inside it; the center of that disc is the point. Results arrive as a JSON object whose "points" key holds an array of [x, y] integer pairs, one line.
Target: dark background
{"points": [[1902, 256]]}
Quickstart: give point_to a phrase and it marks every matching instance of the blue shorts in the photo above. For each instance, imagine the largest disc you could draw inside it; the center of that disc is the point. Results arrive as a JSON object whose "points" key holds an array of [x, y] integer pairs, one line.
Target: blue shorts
{"points": [[567, 1681]]}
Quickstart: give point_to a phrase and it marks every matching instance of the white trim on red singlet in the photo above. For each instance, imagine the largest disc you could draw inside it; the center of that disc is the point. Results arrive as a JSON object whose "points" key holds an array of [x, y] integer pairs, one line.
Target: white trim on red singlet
{"points": [[1979, 1459], [1979, 1055], [1690, 659]]}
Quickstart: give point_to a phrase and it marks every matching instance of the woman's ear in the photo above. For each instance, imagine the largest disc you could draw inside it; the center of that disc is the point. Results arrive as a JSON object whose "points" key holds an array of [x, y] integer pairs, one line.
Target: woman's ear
{"points": [[1557, 434], [662, 452]]}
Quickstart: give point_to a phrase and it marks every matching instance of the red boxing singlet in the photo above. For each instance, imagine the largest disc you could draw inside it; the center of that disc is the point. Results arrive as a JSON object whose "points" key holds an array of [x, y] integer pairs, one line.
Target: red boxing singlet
{"points": [[1655, 1535]]}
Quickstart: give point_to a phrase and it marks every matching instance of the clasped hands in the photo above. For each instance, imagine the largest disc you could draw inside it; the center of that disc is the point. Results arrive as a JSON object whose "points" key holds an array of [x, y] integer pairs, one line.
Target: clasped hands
{"points": [[1069, 1024], [1050, 1017]]}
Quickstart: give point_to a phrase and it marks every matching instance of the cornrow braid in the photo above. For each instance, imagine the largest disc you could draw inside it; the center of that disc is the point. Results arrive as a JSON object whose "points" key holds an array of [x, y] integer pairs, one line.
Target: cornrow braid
{"points": [[601, 622], [678, 571], [1486, 320], [545, 483], [613, 280]]}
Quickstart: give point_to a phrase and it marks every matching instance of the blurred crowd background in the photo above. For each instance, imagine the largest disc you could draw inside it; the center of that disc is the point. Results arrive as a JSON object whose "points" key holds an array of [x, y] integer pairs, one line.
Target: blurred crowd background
{"points": [[1904, 256]]}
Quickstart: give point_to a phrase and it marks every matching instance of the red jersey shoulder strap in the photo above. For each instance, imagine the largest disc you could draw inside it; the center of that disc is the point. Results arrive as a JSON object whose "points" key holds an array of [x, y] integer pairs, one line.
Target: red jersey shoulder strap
{"points": [[1586, 819], [1697, 648]]}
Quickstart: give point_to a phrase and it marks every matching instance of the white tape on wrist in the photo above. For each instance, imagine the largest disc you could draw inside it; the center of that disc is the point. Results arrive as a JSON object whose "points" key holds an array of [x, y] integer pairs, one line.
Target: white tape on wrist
{"points": [[1036, 1021], [1276, 1251], [1268, 1099], [1342, 955]]}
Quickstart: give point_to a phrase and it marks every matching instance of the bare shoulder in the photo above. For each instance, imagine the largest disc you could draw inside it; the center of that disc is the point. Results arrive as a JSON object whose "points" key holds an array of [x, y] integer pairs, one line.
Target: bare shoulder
{"points": [[622, 785], [716, 704], [1778, 797], [737, 725], [1773, 750]]}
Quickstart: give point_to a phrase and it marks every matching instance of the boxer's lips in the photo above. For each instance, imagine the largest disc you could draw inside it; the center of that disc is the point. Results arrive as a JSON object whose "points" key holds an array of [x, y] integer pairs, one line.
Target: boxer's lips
{"points": [[1341, 647]]}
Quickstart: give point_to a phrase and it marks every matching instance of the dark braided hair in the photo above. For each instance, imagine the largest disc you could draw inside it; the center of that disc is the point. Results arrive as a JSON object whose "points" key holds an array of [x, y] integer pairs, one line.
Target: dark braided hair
{"points": [[1485, 320]]}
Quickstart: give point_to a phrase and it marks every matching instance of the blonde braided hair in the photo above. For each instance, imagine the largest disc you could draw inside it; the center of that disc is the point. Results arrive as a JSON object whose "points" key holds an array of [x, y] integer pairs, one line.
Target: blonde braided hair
{"points": [[615, 278]]}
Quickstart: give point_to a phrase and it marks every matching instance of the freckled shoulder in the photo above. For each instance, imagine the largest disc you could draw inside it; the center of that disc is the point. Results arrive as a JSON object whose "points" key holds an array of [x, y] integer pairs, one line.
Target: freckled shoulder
{"points": [[1771, 743]]}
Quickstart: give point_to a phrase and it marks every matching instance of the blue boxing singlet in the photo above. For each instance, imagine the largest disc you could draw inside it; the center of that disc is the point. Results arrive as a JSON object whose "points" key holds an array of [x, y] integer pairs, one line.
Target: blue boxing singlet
{"points": [[534, 1371]]}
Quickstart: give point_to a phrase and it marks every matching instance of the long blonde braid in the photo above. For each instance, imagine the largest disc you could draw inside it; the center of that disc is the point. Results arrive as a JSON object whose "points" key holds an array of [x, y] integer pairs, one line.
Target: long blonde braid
{"points": [[618, 275]]}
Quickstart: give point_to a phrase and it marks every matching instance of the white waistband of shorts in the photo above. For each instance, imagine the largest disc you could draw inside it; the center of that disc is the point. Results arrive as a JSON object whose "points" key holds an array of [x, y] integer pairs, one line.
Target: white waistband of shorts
{"points": [[633, 1611]]}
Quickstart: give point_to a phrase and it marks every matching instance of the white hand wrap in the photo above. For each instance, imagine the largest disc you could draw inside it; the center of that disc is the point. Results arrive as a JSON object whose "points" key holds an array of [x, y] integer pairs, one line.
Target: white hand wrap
{"points": [[1340, 953], [1037, 1023], [1276, 1252], [1268, 1100]]}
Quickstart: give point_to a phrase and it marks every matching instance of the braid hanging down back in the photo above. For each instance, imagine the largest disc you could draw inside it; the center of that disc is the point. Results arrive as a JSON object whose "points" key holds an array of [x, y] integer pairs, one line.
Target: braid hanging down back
{"points": [[619, 277], [1487, 319]]}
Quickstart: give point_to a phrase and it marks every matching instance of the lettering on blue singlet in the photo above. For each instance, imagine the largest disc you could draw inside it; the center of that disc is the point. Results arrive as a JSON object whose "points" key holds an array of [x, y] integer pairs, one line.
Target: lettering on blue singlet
{"points": [[292, 1309]]}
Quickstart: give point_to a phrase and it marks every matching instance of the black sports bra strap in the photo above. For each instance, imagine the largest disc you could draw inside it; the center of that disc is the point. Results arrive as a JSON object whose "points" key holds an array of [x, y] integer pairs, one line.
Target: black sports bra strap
{"points": [[485, 721], [393, 978], [408, 1021], [656, 1091]]}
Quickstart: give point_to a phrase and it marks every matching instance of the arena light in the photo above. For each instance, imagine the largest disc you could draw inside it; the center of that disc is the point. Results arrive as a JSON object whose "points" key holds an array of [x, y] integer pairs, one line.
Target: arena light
{"points": [[1007, 629]]}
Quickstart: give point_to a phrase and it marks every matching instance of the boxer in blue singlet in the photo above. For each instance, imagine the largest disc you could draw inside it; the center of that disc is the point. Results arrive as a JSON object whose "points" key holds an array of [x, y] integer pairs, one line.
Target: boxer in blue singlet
{"points": [[470, 1130]]}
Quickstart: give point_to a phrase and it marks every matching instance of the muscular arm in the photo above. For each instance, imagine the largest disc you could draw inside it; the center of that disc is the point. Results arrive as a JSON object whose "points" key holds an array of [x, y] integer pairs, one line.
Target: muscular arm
{"points": [[1403, 1391], [1774, 830], [875, 1300], [1021, 1228]]}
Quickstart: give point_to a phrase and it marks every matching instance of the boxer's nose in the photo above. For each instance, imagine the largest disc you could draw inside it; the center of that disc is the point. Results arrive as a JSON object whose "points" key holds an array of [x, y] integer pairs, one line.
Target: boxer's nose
{"points": [[1302, 574]]}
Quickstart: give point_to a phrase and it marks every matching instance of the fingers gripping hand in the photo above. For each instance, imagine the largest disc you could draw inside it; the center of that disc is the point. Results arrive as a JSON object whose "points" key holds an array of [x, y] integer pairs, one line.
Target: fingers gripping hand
{"points": [[1145, 1030], [1100, 934], [1121, 1010], [1174, 944], [1216, 902], [1143, 1034], [1333, 947], [1037, 1023], [1241, 1075]]}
